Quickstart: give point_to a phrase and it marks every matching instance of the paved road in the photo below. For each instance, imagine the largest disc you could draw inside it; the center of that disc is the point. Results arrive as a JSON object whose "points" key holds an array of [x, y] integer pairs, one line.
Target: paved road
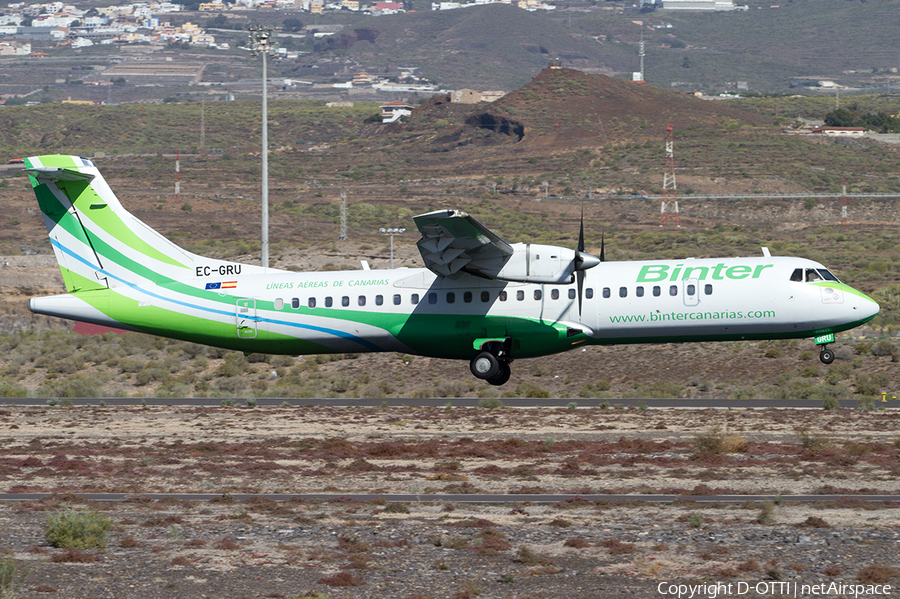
{"points": [[474, 498], [512, 403]]}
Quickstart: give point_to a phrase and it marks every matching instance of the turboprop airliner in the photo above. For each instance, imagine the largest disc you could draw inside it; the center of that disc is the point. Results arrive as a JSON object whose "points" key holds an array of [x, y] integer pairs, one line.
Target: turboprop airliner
{"points": [[478, 298]]}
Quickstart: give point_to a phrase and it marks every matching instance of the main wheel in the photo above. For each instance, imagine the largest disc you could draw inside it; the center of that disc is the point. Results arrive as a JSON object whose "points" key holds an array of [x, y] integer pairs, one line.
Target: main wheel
{"points": [[502, 375], [826, 355], [485, 365]]}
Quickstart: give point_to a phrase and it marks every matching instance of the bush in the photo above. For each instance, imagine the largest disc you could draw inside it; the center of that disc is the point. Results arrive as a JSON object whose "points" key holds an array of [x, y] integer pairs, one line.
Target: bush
{"points": [[490, 402], [717, 441], [11, 578], [77, 530]]}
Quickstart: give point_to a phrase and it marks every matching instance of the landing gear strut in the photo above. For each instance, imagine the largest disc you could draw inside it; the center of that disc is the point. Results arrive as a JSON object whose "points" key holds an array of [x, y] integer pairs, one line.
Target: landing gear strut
{"points": [[826, 355]]}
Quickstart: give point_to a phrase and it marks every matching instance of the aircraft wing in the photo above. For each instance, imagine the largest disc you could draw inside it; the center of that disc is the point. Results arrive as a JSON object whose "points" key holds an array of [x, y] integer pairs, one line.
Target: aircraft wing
{"points": [[453, 243]]}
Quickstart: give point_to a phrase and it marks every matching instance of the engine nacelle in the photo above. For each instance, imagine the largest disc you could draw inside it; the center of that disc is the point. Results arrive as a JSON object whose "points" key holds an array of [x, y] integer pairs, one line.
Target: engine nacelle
{"points": [[537, 263]]}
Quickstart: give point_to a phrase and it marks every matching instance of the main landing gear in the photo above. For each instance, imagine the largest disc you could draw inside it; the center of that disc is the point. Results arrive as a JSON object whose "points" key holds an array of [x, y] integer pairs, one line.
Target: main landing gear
{"points": [[491, 368], [826, 355]]}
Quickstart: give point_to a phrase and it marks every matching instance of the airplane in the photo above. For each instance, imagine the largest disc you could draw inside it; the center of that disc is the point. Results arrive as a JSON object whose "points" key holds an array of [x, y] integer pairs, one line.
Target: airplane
{"points": [[478, 298]]}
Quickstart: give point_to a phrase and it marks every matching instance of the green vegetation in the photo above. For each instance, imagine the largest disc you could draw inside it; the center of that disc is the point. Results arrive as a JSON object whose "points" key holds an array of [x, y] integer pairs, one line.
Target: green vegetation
{"points": [[77, 530], [12, 576]]}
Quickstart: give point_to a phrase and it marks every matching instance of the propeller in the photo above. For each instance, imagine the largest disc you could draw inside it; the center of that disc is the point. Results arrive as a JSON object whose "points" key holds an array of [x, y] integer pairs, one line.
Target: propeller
{"points": [[584, 261]]}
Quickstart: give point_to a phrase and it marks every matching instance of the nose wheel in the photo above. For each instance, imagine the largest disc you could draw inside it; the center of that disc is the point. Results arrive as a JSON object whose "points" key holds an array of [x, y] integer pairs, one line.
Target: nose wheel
{"points": [[826, 355]]}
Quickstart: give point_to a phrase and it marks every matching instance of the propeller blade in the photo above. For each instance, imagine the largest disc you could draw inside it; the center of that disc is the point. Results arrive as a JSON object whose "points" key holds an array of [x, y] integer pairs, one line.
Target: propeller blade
{"points": [[581, 233], [602, 248], [579, 277]]}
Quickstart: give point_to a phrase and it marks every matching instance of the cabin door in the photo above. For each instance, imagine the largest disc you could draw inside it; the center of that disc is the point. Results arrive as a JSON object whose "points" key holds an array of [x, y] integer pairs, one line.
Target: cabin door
{"points": [[245, 318]]}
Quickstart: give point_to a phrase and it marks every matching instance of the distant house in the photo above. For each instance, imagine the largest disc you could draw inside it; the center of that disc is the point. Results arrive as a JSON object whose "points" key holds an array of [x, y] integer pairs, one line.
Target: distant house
{"points": [[392, 111], [394, 6], [699, 5], [840, 131], [473, 96], [465, 96]]}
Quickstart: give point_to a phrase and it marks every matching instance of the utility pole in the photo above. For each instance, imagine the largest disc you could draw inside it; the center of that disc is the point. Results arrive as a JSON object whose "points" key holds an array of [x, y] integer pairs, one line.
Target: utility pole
{"points": [[262, 43], [343, 235]]}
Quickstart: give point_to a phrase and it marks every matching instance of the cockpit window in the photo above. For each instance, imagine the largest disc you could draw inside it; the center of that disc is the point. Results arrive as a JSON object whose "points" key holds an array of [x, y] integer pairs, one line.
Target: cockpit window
{"points": [[827, 275], [813, 275]]}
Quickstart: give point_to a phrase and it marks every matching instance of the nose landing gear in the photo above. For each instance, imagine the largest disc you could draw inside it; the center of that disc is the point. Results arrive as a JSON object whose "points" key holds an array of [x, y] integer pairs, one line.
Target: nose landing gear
{"points": [[826, 355]]}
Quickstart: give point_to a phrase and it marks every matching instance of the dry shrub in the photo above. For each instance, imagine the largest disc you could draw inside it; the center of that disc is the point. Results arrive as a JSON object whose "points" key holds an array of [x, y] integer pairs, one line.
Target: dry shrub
{"points": [[342, 579], [617, 547], [876, 574], [717, 441], [815, 522], [227, 544], [129, 543], [74, 556], [528, 558], [832, 571], [577, 543], [751, 565], [181, 561], [492, 542]]}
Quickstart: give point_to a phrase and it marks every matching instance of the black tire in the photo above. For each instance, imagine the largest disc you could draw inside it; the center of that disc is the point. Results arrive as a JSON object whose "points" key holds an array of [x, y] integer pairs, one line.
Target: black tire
{"points": [[827, 356], [485, 365], [502, 375]]}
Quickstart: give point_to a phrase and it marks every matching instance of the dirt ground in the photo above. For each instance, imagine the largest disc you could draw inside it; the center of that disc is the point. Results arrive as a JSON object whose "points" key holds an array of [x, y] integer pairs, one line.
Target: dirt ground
{"points": [[262, 548]]}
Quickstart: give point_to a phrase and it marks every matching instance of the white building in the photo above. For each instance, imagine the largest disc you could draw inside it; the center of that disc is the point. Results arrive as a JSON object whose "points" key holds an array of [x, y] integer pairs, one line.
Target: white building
{"points": [[699, 5]]}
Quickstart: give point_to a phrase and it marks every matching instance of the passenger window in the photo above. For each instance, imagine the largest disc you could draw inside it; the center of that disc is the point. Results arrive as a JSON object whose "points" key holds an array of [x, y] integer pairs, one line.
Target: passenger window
{"points": [[707, 289], [520, 295], [279, 304], [502, 296], [639, 292], [691, 290], [467, 297], [361, 300], [656, 291], [589, 293], [432, 298], [414, 299], [328, 302], [396, 299], [554, 294], [345, 301], [379, 299], [797, 275], [311, 302], [485, 296], [571, 294], [606, 292], [451, 297], [537, 294], [295, 303], [673, 290], [623, 291]]}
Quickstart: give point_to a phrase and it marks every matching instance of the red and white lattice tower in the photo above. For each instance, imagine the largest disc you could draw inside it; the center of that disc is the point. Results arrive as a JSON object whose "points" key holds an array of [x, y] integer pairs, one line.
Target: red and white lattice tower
{"points": [[669, 208]]}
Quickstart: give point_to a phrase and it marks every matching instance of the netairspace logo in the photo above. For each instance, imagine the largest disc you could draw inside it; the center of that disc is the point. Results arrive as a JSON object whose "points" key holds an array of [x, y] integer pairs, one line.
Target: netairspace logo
{"points": [[786, 588]]}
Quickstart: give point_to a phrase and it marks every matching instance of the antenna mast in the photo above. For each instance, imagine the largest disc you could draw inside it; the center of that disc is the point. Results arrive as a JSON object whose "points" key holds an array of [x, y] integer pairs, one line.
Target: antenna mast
{"points": [[669, 208]]}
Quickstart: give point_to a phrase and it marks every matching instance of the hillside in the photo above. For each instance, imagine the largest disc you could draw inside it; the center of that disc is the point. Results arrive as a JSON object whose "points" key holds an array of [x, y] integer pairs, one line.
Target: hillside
{"points": [[488, 47], [565, 108]]}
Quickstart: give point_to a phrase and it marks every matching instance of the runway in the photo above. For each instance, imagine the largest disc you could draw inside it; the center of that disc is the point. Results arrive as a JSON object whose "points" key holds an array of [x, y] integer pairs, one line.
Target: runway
{"points": [[460, 498], [455, 401]]}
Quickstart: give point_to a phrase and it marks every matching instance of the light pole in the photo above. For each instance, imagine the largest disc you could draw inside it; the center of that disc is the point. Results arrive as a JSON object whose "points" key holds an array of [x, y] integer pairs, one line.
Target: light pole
{"points": [[262, 42], [391, 233]]}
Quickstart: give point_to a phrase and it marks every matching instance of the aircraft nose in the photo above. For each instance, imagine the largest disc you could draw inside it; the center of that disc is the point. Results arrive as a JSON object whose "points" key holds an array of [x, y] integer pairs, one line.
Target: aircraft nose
{"points": [[869, 308]]}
